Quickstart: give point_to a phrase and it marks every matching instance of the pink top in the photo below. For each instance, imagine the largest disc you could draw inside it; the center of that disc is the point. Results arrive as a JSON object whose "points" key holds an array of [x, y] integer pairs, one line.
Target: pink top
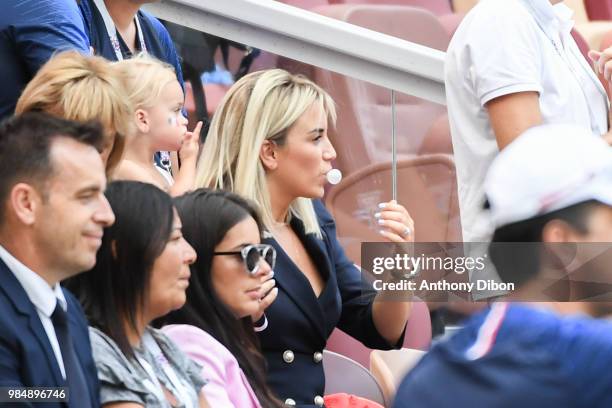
{"points": [[227, 385]]}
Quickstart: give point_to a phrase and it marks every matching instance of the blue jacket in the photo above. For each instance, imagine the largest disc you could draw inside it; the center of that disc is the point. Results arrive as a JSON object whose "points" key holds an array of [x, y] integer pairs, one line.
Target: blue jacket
{"points": [[301, 323], [31, 31], [534, 358], [26, 356]]}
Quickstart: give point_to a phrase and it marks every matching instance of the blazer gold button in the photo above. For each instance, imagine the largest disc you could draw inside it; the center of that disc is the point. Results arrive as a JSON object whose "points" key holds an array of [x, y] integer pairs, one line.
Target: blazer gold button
{"points": [[317, 357], [319, 401], [288, 356], [290, 402]]}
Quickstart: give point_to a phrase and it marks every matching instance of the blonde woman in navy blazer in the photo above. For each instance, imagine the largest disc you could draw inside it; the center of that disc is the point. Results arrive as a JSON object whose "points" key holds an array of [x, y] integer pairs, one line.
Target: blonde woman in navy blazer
{"points": [[268, 142]]}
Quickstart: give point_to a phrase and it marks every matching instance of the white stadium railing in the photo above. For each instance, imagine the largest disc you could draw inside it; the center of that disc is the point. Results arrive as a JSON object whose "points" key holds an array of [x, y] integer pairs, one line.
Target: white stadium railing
{"points": [[314, 39]]}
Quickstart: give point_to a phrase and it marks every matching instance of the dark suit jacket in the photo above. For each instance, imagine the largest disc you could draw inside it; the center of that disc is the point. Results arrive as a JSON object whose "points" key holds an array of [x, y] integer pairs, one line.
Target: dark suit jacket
{"points": [[26, 355], [300, 322]]}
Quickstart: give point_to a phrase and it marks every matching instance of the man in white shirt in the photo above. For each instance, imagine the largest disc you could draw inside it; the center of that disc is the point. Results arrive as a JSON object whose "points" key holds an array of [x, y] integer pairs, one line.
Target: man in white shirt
{"points": [[512, 65], [52, 218]]}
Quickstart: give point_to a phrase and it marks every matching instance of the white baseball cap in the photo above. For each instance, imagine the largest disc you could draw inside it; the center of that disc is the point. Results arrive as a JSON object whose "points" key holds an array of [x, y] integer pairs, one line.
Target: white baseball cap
{"points": [[545, 169]]}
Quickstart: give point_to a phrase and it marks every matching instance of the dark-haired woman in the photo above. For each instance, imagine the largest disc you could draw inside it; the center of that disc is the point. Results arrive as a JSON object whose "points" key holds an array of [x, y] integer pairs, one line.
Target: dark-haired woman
{"points": [[141, 274], [232, 272]]}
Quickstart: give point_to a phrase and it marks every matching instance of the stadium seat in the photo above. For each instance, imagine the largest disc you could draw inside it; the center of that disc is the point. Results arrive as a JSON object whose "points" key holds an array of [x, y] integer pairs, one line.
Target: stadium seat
{"points": [[343, 375], [437, 139], [427, 188], [438, 7], [364, 122], [389, 367], [306, 4], [599, 9], [441, 8]]}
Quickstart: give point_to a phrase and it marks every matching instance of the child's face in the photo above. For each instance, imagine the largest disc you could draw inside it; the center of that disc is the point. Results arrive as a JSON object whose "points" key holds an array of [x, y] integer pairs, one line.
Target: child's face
{"points": [[168, 125]]}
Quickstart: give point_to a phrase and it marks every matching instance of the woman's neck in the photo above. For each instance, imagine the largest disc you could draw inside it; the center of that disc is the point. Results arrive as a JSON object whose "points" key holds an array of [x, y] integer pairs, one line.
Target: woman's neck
{"points": [[122, 13], [280, 202]]}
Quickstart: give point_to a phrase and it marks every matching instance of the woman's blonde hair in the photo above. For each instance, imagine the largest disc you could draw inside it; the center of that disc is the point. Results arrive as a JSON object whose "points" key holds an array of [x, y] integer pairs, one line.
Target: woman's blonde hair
{"points": [[82, 88], [144, 79], [261, 106]]}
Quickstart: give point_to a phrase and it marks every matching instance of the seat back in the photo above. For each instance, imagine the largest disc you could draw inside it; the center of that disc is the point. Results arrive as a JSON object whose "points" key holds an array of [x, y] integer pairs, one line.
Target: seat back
{"points": [[438, 7], [306, 4], [362, 134], [599, 9], [343, 375], [451, 22], [427, 187], [389, 367], [437, 139]]}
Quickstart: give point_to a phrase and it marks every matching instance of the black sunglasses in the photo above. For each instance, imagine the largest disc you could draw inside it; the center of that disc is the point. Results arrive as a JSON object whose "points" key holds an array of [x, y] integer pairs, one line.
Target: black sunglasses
{"points": [[252, 254]]}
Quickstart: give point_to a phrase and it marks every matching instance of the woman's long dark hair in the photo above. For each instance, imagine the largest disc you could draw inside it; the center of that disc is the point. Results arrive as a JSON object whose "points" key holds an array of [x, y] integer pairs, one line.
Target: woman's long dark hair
{"points": [[114, 291], [207, 215]]}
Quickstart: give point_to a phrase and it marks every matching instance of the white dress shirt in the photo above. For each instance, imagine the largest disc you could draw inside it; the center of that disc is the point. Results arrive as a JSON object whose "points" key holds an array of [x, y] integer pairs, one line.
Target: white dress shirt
{"points": [[43, 296], [504, 47]]}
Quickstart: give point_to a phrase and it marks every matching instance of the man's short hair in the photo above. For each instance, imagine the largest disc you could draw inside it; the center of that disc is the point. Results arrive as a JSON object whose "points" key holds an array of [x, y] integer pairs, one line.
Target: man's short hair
{"points": [[520, 262], [25, 146]]}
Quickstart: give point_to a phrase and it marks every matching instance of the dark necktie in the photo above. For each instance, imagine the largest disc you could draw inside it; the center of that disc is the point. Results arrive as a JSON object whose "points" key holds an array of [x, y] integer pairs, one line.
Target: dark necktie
{"points": [[75, 380]]}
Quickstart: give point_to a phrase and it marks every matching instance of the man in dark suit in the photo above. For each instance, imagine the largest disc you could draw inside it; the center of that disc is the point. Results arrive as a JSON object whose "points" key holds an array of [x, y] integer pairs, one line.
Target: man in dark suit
{"points": [[52, 216]]}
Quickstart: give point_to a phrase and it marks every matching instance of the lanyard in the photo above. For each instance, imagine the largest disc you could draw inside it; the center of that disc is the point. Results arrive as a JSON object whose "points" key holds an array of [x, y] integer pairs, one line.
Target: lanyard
{"points": [[111, 30], [177, 387], [152, 383]]}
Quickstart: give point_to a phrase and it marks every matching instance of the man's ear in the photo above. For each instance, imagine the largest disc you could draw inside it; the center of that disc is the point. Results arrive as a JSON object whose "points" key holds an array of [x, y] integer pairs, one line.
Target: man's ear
{"points": [[268, 155], [24, 201], [142, 120], [559, 231], [560, 240]]}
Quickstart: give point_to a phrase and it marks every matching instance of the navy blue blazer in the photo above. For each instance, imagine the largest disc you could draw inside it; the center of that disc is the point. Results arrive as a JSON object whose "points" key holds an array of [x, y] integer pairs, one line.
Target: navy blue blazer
{"points": [[26, 355], [299, 323]]}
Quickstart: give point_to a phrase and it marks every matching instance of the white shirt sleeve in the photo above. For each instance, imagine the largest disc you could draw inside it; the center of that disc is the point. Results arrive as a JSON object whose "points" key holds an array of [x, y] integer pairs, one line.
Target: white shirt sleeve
{"points": [[504, 55]]}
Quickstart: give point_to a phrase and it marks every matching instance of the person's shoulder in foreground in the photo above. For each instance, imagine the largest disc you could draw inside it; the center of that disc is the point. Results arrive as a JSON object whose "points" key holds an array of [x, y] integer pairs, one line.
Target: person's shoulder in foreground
{"points": [[557, 361], [31, 31], [22, 361]]}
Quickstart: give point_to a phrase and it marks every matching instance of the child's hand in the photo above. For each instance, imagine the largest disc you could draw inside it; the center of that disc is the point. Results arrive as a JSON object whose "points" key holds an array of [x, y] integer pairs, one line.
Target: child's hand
{"points": [[191, 144]]}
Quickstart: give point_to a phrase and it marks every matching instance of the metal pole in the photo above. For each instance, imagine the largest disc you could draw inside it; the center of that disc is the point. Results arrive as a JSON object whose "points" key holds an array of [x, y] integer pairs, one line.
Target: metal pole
{"points": [[393, 150]]}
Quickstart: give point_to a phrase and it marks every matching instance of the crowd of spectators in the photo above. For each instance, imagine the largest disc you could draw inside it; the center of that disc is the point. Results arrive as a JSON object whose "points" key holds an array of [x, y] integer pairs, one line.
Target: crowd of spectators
{"points": [[138, 268]]}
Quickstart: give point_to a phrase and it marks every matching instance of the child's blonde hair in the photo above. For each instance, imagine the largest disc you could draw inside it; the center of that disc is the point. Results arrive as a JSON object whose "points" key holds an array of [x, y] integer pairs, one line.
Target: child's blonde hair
{"points": [[144, 79]]}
